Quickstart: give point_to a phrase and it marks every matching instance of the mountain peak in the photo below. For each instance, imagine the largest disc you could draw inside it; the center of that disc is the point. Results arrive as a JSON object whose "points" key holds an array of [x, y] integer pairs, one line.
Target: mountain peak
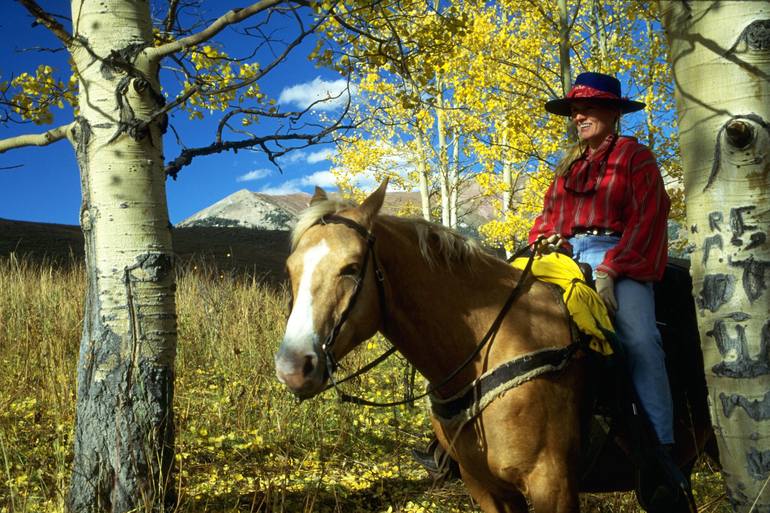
{"points": [[248, 209]]}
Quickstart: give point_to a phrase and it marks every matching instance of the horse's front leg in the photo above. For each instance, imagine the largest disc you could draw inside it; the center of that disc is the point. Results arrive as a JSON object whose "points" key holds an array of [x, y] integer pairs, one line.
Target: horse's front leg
{"points": [[551, 488], [511, 502]]}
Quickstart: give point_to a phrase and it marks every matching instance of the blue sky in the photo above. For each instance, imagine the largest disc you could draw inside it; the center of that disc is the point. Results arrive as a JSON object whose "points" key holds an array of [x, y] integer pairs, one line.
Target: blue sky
{"points": [[43, 184]]}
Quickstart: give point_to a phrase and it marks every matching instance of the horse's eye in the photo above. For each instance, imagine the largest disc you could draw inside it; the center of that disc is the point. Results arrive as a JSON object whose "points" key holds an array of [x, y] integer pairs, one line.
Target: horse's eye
{"points": [[349, 270]]}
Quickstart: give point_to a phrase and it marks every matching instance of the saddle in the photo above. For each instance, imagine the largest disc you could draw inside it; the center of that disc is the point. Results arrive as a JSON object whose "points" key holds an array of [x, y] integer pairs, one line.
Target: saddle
{"points": [[618, 435]]}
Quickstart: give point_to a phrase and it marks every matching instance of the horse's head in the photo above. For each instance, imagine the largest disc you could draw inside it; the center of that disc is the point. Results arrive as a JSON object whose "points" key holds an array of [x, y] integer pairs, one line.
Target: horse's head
{"points": [[335, 296]]}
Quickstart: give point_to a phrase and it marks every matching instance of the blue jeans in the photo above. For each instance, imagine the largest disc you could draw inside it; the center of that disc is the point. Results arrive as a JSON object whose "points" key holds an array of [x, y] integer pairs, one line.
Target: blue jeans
{"points": [[636, 328]]}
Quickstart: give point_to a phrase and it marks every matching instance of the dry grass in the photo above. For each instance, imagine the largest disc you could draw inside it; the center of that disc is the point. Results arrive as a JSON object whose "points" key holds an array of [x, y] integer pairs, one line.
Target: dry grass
{"points": [[243, 444]]}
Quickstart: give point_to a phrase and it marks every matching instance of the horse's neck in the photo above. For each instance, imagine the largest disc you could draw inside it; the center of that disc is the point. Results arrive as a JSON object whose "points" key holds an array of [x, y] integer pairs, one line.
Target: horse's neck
{"points": [[436, 315]]}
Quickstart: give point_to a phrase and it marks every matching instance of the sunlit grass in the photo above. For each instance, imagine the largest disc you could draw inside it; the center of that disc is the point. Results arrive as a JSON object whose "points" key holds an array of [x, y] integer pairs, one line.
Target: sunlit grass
{"points": [[243, 443]]}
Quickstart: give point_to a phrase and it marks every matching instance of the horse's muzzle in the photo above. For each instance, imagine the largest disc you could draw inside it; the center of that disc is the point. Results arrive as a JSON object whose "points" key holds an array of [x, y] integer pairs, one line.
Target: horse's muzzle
{"points": [[304, 373]]}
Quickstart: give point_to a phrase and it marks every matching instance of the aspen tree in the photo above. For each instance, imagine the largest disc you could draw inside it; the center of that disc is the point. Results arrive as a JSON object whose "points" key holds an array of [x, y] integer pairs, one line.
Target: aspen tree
{"points": [[124, 434], [720, 56]]}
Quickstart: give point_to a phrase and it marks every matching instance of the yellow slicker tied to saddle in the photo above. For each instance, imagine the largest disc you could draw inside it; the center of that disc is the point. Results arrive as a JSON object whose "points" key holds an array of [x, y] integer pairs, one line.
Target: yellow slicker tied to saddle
{"points": [[583, 303]]}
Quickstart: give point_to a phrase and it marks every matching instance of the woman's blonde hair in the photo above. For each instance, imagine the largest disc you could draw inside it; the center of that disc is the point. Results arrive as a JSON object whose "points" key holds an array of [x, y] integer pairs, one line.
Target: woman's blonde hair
{"points": [[571, 154]]}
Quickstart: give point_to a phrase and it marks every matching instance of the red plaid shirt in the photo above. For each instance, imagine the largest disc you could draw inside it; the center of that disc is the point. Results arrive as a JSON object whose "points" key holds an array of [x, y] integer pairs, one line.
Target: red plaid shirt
{"points": [[626, 196]]}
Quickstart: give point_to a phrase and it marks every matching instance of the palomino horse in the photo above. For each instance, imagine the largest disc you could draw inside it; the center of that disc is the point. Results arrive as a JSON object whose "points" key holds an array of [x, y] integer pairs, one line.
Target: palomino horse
{"points": [[434, 296]]}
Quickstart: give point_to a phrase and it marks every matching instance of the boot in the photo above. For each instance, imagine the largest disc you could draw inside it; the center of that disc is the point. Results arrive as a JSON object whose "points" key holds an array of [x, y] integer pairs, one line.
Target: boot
{"points": [[662, 488], [436, 461]]}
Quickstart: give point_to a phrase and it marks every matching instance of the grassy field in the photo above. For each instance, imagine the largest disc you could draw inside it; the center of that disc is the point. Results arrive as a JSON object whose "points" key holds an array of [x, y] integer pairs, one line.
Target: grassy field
{"points": [[243, 443]]}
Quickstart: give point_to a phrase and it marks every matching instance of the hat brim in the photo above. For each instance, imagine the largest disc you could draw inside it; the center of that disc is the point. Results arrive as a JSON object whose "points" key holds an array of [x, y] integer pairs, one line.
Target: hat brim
{"points": [[561, 106]]}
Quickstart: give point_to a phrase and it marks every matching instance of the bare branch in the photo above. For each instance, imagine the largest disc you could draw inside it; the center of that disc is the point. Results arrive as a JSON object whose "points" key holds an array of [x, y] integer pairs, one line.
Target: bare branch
{"points": [[293, 116], [168, 23], [44, 139], [307, 139], [48, 21], [40, 49], [229, 18], [269, 67], [196, 89]]}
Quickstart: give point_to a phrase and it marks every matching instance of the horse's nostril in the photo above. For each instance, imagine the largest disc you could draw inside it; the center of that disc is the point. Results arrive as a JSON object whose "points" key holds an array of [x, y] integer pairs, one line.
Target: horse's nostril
{"points": [[310, 361]]}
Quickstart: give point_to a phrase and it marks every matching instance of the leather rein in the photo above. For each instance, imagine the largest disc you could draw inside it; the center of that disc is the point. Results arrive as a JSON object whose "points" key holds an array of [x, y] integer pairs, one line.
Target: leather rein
{"points": [[327, 347]]}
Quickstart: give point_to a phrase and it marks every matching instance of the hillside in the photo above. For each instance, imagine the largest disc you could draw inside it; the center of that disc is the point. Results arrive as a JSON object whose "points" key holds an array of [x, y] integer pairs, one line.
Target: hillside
{"points": [[244, 233], [259, 253]]}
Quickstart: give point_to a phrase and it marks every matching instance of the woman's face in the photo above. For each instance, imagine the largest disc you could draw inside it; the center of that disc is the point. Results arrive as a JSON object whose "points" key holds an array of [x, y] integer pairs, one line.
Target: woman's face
{"points": [[594, 122]]}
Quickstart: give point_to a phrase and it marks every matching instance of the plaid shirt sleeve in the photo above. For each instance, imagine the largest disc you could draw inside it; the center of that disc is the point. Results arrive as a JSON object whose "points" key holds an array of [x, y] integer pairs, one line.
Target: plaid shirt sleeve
{"points": [[642, 252]]}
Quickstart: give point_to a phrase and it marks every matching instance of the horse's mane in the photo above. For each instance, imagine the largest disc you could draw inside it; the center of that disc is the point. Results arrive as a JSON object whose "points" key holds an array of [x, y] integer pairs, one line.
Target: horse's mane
{"points": [[438, 244], [441, 245]]}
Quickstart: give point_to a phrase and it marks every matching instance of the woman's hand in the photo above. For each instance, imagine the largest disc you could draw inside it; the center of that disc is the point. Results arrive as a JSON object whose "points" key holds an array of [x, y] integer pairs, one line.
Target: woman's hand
{"points": [[549, 244], [605, 287]]}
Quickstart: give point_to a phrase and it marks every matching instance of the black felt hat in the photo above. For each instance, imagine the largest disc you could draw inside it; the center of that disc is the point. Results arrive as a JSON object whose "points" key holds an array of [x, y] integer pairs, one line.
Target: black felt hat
{"points": [[596, 88]]}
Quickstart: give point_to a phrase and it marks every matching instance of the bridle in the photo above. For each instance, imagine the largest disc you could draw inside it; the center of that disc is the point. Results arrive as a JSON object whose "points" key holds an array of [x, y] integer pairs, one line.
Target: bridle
{"points": [[327, 347]]}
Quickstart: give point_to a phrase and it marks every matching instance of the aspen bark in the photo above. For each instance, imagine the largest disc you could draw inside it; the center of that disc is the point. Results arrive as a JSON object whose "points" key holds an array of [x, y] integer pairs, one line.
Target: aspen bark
{"points": [[124, 428], [720, 54], [422, 170], [600, 34], [443, 157], [454, 180], [564, 61], [507, 200]]}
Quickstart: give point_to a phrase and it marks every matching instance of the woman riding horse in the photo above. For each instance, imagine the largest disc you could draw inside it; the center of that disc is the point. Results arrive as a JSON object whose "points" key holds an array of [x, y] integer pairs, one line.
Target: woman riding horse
{"points": [[608, 204], [354, 272]]}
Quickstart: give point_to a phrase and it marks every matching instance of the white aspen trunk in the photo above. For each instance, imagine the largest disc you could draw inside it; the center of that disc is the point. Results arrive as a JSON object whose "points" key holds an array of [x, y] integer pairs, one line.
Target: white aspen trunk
{"points": [[443, 161], [564, 61], [454, 180], [720, 53], [600, 34], [124, 428], [507, 186], [424, 182], [648, 112]]}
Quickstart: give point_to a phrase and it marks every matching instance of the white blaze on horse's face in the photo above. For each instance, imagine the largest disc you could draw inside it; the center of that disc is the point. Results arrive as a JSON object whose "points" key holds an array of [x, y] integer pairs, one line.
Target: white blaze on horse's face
{"points": [[296, 363], [299, 328]]}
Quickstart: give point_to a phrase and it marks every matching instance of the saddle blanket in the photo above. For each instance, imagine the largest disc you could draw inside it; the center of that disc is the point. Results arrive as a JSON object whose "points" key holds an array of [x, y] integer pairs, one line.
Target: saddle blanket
{"points": [[583, 303]]}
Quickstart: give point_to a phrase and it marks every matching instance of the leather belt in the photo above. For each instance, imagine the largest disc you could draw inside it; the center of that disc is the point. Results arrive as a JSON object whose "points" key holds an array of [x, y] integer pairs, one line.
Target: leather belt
{"points": [[582, 232]]}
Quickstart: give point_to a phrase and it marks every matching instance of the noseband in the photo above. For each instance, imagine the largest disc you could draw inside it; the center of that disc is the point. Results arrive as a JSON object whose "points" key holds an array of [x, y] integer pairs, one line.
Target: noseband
{"points": [[379, 277]]}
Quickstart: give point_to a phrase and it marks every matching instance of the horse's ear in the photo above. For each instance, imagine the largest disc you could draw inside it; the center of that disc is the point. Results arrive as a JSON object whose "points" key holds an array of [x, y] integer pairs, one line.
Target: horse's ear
{"points": [[373, 203], [318, 195]]}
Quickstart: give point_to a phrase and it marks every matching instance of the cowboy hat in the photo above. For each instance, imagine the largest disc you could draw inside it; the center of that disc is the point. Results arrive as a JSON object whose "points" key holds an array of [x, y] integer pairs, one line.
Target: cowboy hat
{"points": [[596, 88]]}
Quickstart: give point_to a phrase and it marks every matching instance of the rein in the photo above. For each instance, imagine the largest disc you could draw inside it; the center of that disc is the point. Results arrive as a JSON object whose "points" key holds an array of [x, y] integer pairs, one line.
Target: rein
{"points": [[327, 346]]}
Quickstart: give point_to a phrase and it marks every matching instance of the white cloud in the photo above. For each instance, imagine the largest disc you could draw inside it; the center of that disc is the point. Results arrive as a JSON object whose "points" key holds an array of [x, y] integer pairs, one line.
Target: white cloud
{"points": [[251, 176], [323, 179], [307, 158], [294, 156], [367, 183], [330, 94], [320, 156], [280, 190]]}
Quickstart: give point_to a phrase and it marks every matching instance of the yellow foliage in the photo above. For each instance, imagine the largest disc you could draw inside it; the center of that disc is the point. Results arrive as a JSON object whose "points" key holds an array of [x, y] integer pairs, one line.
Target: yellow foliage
{"points": [[486, 71], [216, 71], [40, 92]]}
